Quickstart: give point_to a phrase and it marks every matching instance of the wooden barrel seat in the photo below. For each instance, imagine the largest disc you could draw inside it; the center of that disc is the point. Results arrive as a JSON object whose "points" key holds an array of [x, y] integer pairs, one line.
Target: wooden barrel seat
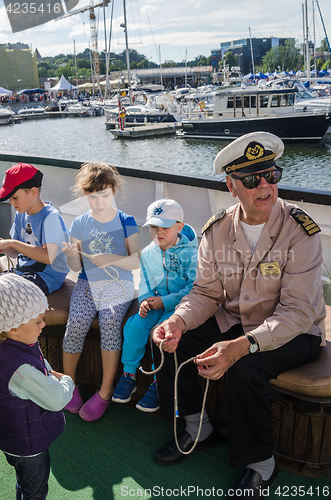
{"points": [[301, 397], [302, 415]]}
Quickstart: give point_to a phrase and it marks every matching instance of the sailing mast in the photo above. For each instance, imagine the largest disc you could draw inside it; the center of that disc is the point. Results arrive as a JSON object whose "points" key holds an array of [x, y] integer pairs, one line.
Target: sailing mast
{"points": [[326, 36], [127, 52], [250, 38], [307, 41]]}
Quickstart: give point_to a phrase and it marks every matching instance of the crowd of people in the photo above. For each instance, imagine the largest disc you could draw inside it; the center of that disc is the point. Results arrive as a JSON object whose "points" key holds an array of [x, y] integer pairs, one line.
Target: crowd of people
{"points": [[246, 304]]}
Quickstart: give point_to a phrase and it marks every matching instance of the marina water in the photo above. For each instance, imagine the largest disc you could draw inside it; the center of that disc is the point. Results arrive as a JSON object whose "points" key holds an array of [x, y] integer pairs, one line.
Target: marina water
{"points": [[86, 139]]}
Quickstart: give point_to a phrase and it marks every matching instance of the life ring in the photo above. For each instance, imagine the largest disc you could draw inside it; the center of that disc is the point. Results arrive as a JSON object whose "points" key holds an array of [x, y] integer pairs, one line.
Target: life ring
{"points": [[123, 113], [133, 98], [202, 105], [145, 98], [123, 93]]}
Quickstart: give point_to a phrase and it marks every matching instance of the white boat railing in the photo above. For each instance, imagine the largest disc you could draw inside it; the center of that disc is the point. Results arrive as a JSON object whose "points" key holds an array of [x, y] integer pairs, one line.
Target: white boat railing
{"points": [[200, 197]]}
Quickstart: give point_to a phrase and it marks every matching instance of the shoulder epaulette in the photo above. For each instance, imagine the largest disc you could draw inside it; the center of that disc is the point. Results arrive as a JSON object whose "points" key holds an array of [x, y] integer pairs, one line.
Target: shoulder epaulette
{"points": [[305, 221], [213, 219]]}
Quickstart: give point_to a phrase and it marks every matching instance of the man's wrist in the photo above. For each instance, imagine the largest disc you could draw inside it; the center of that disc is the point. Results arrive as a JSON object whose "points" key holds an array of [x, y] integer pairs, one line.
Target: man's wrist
{"points": [[180, 322], [253, 343]]}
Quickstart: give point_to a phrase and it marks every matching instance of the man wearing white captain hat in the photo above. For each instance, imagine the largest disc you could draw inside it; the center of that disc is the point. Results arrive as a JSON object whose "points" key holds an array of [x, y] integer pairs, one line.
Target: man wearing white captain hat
{"points": [[255, 310]]}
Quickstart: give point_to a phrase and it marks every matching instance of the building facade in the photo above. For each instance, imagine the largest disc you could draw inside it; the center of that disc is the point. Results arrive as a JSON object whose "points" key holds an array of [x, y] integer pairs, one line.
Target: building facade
{"points": [[242, 49], [18, 67], [171, 78]]}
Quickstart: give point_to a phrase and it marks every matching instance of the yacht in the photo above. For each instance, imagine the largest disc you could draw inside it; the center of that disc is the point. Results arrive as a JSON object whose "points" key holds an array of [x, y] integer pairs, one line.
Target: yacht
{"points": [[6, 115], [240, 110]]}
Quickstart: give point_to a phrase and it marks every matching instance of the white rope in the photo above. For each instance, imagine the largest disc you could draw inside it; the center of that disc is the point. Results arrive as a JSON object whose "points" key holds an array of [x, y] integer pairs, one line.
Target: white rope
{"points": [[176, 413], [113, 278]]}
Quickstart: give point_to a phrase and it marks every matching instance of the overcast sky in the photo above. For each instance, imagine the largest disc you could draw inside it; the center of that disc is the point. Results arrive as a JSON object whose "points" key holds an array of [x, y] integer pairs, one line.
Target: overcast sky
{"points": [[173, 27]]}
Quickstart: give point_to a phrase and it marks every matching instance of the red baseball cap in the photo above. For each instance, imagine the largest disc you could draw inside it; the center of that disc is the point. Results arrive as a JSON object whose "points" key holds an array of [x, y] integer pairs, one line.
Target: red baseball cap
{"points": [[20, 176]]}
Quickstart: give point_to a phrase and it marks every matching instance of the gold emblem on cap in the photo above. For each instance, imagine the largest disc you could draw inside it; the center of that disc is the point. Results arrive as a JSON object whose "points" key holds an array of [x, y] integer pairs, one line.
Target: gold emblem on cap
{"points": [[253, 153]]}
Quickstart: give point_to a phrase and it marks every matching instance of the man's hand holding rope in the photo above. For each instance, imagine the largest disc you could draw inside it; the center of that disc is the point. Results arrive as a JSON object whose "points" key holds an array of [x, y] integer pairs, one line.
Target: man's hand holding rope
{"points": [[170, 330]]}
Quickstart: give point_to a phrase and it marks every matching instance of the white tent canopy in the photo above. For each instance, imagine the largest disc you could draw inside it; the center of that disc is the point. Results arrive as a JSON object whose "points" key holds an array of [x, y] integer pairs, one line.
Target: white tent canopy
{"points": [[5, 91], [63, 84]]}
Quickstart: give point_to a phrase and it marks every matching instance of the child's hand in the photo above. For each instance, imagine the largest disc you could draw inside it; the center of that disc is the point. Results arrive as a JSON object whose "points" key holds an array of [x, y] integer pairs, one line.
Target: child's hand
{"points": [[155, 303], [58, 375], [102, 259], [144, 307], [69, 250], [5, 244]]}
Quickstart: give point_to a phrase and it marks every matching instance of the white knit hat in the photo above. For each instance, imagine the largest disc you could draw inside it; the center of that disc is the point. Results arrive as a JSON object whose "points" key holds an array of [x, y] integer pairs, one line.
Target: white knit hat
{"points": [[20, 301]]}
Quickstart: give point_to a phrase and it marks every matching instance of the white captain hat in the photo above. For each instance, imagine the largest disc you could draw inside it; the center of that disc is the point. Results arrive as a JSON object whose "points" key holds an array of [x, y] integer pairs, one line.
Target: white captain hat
{"points": [[249, 153]]}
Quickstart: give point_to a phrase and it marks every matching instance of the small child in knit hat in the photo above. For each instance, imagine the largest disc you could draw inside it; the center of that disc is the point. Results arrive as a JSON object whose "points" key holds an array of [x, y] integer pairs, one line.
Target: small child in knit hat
{"points": [[32, 395]]}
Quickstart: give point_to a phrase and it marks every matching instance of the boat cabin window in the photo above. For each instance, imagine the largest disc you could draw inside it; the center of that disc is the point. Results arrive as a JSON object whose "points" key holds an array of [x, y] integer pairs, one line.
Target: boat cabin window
{"points": [[275, 101], [282, 100], [250, 101], [230, 102], [264, 101], [238, 102]]}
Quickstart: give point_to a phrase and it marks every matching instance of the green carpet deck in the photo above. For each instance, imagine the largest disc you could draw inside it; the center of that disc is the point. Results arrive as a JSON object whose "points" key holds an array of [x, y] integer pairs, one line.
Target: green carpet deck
{"points": [[112, 459]]}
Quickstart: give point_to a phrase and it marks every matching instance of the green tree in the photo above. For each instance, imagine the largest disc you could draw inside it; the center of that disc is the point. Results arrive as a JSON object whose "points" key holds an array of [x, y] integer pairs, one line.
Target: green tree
{"points": [[285, 57], [67, 71], [324, 46], [230, 59], [169, 64], [83, 63], [202, 61], [117, 65]]}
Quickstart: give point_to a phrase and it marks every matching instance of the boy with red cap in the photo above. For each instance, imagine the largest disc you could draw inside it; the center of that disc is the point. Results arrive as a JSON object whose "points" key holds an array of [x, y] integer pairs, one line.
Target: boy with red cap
{"points": [[37, 232]]}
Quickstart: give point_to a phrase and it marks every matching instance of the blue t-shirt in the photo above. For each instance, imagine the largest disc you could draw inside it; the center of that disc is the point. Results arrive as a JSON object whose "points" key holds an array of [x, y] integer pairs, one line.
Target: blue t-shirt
{"points": [[47, 226], [103, 237]]}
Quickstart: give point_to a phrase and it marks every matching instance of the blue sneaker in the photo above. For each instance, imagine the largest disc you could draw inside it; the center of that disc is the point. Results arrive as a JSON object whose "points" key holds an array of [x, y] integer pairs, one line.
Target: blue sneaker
{"points": [[150, 402], [125, 387]]}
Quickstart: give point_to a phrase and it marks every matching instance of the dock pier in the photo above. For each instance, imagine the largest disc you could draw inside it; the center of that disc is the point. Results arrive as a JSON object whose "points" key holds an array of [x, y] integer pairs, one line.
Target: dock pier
{"points": [[139, 131]]}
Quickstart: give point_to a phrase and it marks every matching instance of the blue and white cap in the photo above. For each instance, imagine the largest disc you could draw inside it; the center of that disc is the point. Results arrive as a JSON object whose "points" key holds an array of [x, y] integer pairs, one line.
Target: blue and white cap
{"points": [[164, 213]]}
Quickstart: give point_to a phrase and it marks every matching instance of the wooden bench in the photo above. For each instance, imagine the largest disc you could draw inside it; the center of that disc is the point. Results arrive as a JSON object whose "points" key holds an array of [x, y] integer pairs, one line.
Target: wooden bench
{"points": [[301, 397]]}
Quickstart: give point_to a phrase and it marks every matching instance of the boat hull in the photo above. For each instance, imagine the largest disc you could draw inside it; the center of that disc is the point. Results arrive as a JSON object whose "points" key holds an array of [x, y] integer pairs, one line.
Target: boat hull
{"points": [[293, 127], [4, 119], [141, 117]]}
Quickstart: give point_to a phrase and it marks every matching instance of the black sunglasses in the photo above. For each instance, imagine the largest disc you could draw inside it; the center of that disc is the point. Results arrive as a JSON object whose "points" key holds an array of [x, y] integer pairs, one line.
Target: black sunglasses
{"points": [[253, 180]]}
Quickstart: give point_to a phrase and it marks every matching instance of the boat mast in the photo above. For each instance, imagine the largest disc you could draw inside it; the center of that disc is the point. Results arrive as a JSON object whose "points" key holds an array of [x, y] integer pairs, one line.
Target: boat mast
{"points": [[325, 33], [160, 65], [303, 37], [75, 63], [186, 68], [250, 38], [127, 52], [92, 74], [307, 41], [314, 30]]}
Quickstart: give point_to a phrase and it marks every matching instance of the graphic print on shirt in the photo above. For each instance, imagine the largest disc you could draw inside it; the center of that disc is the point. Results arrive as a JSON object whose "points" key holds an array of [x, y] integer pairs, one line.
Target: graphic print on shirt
{"points": [[27, 235], [174, 264], [100, 242]]}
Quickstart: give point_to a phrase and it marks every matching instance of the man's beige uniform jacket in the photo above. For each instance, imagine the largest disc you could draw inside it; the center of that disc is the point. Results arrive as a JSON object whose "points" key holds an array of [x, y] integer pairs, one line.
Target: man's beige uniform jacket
{"points": [[276, 293]]}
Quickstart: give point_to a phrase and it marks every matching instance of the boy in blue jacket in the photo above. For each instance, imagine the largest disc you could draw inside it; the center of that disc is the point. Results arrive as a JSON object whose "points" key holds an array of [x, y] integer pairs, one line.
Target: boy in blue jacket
{"points": [[167, 272]]}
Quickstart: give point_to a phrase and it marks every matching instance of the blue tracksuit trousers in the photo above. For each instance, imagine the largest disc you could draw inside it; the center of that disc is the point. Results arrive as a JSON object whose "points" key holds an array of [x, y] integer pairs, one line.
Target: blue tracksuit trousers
{"points": [[136, 334]]}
